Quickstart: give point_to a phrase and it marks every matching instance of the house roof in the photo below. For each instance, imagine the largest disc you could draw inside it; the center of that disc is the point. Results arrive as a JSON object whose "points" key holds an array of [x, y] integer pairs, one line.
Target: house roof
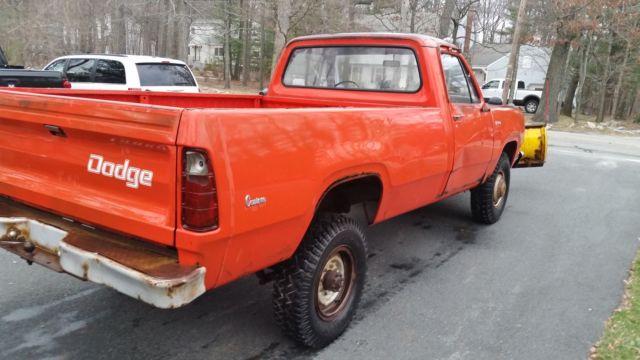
{"points": [[482, 55]]}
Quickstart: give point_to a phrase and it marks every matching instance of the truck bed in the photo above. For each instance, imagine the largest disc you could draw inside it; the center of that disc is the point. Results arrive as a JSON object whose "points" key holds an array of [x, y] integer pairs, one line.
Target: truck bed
{"points": [[208, 101], [49, 170]]}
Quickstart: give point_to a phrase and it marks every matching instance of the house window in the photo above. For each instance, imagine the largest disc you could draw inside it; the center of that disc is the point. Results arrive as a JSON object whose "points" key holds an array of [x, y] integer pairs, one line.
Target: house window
{"points": [[196, 52], [218, 52]]}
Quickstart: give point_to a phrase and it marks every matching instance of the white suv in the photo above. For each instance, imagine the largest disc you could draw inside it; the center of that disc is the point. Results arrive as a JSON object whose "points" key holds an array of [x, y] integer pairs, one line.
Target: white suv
{"points": [[125, 72]]}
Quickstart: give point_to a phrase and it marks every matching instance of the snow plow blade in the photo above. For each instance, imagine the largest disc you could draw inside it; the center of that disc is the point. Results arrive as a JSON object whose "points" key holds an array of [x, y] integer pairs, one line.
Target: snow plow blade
{"points": [[533, 151]]}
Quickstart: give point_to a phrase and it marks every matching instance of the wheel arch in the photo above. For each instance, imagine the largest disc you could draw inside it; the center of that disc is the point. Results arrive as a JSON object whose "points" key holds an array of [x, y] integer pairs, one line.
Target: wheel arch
{"points": [[343, 194], [511, 149]]}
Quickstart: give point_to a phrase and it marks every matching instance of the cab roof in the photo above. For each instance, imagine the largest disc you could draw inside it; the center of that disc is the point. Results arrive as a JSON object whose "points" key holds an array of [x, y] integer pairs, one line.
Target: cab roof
{"points": [[421, 40]]}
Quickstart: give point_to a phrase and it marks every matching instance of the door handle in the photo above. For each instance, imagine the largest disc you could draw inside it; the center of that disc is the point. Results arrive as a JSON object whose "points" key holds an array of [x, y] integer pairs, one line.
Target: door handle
{"points": [[55, 130], [457, 117]]}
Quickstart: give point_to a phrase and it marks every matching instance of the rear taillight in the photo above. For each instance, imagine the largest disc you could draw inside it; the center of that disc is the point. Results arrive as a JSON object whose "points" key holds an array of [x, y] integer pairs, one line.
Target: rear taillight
{"points": [[66, 84], [199, 195]]}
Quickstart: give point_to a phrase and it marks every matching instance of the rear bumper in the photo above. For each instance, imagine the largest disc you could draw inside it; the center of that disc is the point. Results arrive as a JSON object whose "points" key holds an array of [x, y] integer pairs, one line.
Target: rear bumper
{"points": [[139, 269]]}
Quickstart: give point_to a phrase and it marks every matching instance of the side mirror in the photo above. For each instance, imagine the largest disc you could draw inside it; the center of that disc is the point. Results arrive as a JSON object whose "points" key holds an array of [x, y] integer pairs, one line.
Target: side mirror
{"points": [[263, 91], [494, 101]]}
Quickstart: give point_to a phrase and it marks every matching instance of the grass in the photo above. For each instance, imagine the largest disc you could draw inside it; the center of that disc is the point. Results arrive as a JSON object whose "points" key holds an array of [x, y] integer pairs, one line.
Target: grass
{"points": [[621, 338]]}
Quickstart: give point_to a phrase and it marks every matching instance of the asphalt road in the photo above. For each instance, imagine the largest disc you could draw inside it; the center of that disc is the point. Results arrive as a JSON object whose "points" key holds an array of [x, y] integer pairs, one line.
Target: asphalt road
{"points": [[537, 285]]}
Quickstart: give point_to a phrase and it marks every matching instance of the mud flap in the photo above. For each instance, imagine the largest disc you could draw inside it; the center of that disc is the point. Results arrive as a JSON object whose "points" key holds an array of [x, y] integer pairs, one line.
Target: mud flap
{"points": [[533, 151]]}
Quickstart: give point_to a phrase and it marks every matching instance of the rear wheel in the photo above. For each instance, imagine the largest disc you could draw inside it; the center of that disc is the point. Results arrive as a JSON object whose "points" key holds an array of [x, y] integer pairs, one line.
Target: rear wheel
{"points": [[316, 292], [489, 199], [531, 106]]}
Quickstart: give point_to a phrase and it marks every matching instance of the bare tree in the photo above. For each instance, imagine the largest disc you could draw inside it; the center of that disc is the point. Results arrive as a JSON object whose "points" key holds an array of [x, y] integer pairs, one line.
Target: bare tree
{"points": [[227, 44]]}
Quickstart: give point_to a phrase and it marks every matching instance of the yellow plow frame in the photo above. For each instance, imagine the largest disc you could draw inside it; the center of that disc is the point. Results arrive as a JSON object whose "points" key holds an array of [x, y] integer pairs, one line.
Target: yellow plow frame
{"points": [[533, 151]]}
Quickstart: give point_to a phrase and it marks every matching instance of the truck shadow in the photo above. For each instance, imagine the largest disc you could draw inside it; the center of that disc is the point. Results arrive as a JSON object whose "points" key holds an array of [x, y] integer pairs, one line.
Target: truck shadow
{"points": [[234, 321]]}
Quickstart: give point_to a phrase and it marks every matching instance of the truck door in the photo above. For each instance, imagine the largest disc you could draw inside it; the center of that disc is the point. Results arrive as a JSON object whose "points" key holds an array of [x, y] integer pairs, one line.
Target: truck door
{"points": [[472, 123]]}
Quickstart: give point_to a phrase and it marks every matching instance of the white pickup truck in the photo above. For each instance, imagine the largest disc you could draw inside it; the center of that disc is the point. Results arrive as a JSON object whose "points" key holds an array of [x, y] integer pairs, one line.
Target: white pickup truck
{"points": [[526, 95]]}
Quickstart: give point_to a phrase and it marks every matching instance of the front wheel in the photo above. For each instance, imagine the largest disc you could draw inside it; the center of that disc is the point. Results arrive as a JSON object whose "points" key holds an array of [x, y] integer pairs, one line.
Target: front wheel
{"points": [[316, 292], [489, 199]]}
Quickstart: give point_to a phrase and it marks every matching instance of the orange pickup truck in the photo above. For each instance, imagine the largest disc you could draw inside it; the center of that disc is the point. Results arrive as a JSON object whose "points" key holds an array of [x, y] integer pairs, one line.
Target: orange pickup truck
{"points": [[163, 196]]}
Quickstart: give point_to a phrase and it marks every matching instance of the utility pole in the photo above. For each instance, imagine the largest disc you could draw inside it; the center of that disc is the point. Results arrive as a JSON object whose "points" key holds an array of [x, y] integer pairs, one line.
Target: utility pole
{"points": [[515, 48]]}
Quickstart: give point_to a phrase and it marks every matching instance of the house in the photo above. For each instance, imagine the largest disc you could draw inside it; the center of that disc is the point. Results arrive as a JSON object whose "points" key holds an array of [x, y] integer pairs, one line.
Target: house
{"points": [[489, 61], [206, 45]]}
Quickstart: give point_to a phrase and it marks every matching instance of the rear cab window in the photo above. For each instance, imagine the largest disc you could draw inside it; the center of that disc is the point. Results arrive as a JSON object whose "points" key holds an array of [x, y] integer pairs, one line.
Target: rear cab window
{"points": [[164, 74], [364, 68]]}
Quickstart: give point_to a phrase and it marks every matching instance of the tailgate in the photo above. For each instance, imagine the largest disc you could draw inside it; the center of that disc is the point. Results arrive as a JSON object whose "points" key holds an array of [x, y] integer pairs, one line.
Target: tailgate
{"points": [[107, 164]]}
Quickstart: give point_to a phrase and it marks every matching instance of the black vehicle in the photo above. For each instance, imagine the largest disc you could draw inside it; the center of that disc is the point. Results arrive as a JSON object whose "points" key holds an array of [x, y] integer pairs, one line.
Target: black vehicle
{"points": [[18, 76]]}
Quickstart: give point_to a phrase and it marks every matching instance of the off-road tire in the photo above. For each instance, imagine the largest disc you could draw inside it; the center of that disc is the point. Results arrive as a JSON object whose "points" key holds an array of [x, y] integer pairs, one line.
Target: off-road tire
{"points": [[295, 289], [483, 208]]}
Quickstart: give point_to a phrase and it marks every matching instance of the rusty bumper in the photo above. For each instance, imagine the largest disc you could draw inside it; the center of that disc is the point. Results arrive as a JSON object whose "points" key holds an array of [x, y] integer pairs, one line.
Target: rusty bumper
{"points": [[136, 268]]}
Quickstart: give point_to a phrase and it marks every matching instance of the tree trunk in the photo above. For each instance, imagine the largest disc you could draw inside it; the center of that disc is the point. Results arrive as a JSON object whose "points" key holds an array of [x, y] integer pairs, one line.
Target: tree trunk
{"points": [[352, 15], [414, 12], [238, 54], [454, 35], [584, 63], [445, 18], [616, 92], [567, 106], [227, 45], [170, 29], [548, 109], [605, 81], [182, 30], [246, 46], [634, 107], [283, 12], [119, 29], [262, 46], [468, 29]]}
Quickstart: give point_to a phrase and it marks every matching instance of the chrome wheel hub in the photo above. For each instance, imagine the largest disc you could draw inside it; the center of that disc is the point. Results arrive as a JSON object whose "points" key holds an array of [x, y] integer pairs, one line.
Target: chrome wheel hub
{"points": [[335, 285], [499, 190], [331, 280]]}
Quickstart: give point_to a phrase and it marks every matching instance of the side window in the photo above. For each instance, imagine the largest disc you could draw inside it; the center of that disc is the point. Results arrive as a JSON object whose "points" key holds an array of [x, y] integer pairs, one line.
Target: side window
{"points": [[110, 72], [459, 86], [79, 70], [57, 65], [491, 84], [520, 84]]}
